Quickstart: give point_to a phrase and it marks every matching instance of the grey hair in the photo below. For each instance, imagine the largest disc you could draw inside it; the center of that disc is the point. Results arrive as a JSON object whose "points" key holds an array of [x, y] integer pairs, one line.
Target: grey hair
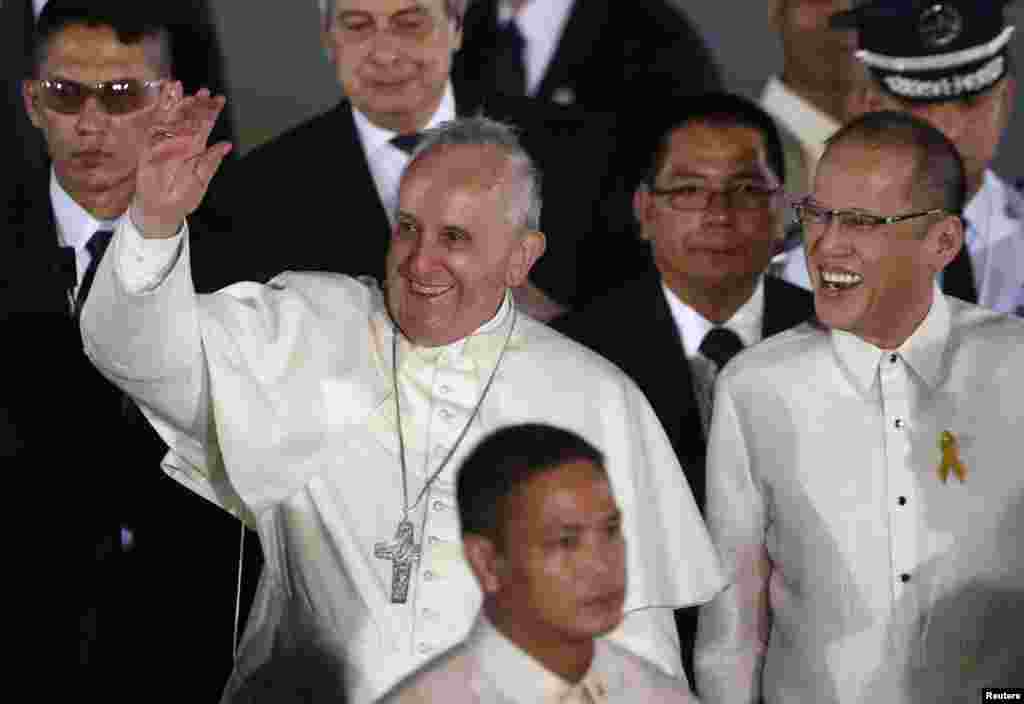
{"points": [[456, 10], [483, 131]]}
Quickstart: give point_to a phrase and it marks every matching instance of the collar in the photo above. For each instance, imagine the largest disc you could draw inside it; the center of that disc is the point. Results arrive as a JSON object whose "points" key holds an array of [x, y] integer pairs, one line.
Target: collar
{"points": [[989, 205], [745, 322], [75, 225], [375, 137], [923, 351], [481, 348], [806, 122], [520, 678], [541, 23]]}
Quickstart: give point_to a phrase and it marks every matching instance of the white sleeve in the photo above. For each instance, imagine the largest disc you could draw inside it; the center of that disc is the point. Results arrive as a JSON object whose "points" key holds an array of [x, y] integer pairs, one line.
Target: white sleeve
{"points": [[142, 264], [733, 628]]}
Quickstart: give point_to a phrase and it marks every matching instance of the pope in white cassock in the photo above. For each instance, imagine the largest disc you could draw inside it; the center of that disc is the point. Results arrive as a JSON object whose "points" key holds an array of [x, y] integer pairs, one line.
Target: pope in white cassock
{"points": [[330, 415]]}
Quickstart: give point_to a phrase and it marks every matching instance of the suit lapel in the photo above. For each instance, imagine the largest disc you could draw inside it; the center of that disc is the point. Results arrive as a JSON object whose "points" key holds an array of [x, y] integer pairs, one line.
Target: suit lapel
{"points": [[785, 306]]}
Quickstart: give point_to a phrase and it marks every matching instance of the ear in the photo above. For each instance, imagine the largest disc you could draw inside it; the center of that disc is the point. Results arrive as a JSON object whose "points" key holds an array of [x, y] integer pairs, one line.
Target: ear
{"points": [[643, 208], [527, 251], [457, 34], [944, 239], [484, 560], [31, 102]]}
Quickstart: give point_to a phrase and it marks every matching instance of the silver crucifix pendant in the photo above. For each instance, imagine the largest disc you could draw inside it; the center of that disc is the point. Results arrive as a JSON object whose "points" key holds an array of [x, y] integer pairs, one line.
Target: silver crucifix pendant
{"points": [[403, 553]]}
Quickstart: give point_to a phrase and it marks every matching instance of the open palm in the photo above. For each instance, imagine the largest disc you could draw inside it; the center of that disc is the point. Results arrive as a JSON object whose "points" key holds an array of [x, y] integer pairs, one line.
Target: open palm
{"points": [[176, 165]]}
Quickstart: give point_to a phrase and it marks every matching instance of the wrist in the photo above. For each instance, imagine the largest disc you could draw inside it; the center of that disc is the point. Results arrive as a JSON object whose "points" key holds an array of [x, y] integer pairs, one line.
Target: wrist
{"points": [[153, 228]]}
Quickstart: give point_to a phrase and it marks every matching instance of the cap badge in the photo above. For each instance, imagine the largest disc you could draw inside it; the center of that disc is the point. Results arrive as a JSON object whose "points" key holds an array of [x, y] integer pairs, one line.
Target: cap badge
{"points": [[940, 24]]}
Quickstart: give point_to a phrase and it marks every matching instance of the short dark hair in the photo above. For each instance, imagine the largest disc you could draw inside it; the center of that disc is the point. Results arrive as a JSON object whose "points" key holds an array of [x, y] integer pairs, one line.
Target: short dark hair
{"points": [[939, 180], [131, 20], [722, 109], [506, 459]]}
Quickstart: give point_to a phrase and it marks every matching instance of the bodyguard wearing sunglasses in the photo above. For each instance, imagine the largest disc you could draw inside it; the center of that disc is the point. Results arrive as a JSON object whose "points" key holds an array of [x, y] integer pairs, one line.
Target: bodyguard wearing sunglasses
{"points": [[864, 483], [711, 209], [92, 93]]}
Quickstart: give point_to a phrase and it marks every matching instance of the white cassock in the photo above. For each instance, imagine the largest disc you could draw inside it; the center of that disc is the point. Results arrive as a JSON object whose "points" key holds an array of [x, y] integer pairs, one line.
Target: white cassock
{"points": [[487, 668], [860, 574], [276, 403]]}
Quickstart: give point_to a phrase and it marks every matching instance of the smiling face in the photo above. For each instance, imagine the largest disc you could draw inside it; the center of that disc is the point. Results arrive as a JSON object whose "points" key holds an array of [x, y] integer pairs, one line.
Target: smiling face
{"points": [[560, 573], [393, 58], [719, 247], [95, 155], [455, 249], [875, 282]]}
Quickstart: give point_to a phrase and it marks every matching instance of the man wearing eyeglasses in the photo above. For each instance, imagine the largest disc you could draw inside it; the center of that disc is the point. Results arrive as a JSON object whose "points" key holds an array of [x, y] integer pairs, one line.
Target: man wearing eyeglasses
{"points": [[97, 69], [711, 208], [949, 63], [864, 484]]}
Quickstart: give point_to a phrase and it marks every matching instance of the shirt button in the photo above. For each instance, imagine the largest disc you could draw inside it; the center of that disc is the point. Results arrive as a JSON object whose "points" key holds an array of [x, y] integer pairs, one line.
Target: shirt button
{"points": [[433, 540], [445, 389], [428, 576], [893, 358], [904, 577], [446, 414], [898, 423], [439, 506], [902, 501]]}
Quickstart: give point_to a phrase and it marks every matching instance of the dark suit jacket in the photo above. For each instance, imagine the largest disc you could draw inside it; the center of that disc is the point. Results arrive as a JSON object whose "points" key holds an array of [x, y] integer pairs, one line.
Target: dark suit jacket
{"points": [[94, 464], [634, 328], [616, 56], [307, 200]]}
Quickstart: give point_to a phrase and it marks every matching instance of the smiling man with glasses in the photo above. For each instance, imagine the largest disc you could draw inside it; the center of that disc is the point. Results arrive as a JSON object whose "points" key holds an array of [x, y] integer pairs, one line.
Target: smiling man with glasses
{"points": [[711, 209], [863, 482]]}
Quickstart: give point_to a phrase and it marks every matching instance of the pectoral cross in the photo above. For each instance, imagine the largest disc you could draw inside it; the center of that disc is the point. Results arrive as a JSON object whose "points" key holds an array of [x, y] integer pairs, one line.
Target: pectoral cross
{"points": [[403, 553]]}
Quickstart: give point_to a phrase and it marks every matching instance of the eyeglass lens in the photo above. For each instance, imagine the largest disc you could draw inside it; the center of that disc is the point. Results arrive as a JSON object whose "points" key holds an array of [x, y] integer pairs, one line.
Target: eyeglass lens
{"points": [[116, 97]]}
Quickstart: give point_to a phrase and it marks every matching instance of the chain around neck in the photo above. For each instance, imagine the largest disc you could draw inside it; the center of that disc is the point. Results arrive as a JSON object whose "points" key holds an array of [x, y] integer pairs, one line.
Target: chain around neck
{"points": [[406, 507]]}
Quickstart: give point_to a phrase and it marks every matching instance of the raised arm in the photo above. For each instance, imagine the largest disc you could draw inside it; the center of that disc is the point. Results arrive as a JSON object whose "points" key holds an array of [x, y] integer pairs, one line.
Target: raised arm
{"points": [[733, 628], [140, 324]]}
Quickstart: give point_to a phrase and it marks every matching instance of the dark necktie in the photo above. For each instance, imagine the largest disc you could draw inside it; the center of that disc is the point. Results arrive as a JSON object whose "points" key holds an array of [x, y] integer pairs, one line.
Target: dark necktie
{"points": [[958, 277], [720, 345], [407, 142], [510, 61], [96, 246]]}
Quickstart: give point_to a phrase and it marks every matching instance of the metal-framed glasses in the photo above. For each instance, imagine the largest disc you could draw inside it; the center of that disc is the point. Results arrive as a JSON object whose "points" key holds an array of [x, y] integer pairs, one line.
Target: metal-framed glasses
{"points": [[739, 195], [118, 97], [814, 217]]}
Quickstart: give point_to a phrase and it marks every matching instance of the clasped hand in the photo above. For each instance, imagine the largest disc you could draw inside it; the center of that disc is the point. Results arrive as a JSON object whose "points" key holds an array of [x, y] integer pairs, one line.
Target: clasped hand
{"points": [[175, 163]]}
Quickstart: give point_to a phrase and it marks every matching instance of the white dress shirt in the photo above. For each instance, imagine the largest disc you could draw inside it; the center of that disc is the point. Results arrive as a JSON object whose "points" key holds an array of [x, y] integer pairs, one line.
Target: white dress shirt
{"points": [[387, 162], [747, 322], [994, 239], [276, 402], [487, 668], [541, 22], [858, 574], [75, 227]]}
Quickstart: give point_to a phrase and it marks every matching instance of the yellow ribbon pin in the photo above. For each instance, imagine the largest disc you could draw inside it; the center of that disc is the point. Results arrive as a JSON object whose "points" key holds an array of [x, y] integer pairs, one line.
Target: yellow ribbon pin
{"points": [[950, 458]]}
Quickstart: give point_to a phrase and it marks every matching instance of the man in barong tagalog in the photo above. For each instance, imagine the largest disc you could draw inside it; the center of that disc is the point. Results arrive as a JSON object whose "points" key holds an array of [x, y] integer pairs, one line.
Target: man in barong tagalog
{"points": [[331, 414]]}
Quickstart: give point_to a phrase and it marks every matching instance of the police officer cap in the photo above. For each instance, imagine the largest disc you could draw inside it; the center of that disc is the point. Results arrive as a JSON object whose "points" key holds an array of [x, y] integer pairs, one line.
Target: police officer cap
{"points": [[928, 50]]}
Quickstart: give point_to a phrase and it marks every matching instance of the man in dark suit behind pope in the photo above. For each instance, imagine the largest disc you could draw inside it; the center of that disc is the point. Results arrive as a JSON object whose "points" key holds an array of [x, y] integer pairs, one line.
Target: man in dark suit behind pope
{"points": [[711, 209]]}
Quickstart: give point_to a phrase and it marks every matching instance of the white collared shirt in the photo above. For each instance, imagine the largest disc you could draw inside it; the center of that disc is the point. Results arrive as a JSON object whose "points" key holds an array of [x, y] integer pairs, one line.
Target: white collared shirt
{"points": [[801, 119], [75, 227], [995, 241], [886, 582], [387, 162], [541, 22], [747, 322], [487, 667]]}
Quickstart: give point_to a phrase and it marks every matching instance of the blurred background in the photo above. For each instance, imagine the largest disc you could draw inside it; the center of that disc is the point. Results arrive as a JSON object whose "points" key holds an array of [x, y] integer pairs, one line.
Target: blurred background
{"points": [[279, 76]]}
